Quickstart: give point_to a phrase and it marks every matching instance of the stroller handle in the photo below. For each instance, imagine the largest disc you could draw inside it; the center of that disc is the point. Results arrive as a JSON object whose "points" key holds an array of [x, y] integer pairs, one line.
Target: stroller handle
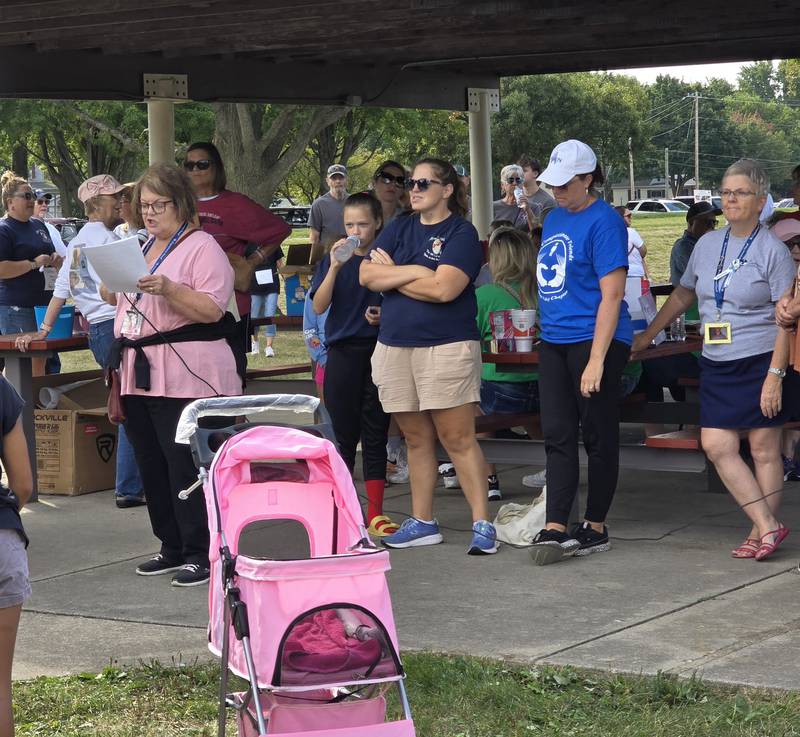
{"points": [[236, 406]]}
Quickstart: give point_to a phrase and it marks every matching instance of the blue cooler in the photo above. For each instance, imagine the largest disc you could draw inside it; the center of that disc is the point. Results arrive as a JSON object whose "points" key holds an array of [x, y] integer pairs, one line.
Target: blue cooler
{"points": [[62, 328]]}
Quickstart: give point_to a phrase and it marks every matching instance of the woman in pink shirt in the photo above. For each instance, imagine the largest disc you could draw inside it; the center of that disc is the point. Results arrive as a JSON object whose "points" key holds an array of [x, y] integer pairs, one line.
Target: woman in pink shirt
{"points": [[172, 342]]}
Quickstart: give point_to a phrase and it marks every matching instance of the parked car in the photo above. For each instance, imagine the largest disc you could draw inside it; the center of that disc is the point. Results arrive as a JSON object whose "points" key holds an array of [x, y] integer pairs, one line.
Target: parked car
{"points": [[67, 227], [659, 207], [785, 203], [631, 204], [296, 216], [690, 200]]}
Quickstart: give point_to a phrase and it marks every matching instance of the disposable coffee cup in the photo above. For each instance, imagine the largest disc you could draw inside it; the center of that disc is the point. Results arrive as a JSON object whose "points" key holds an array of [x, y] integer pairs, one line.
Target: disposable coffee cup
{"points": [[524, 322], [523, 345]]}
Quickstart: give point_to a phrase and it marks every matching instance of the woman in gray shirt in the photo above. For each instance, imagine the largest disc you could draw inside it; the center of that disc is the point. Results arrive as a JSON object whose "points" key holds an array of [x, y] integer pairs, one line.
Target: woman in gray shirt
{"points": [[737, 275]]}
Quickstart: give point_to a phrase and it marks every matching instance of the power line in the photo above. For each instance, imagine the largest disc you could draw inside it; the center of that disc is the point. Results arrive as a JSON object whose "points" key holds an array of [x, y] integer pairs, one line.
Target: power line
{"points": [[680, 125]]}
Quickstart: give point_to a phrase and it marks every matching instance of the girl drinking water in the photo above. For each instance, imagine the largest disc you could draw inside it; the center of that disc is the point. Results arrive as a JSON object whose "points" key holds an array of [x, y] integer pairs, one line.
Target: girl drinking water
{"points": [[351, 332]]}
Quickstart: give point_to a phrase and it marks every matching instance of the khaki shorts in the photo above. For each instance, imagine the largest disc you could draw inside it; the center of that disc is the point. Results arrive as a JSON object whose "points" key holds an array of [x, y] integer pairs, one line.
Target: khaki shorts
{"points": [[432, 377]]}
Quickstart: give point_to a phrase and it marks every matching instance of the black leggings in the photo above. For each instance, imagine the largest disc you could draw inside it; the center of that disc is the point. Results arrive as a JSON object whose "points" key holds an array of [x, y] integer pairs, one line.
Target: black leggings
{"points": [[351, 398], [564, 410]]}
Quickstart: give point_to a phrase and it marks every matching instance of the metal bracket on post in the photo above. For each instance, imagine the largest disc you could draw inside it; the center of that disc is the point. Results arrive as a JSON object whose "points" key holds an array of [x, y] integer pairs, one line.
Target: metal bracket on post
{"points": [[474, 99], [174, 87]]}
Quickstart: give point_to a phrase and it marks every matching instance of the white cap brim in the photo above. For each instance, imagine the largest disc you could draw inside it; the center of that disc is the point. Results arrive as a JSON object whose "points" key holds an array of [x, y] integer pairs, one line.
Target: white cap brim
{"points": [[556, 176]]}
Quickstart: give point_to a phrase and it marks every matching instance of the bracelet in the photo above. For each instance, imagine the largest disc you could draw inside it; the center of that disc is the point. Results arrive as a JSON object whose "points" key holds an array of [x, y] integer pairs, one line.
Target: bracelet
{"points": [[45, 328]]}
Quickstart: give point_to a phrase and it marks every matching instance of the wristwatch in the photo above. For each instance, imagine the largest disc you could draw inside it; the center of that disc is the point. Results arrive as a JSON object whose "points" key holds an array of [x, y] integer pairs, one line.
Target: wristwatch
{"points": [[33, 265], [779, 372]]}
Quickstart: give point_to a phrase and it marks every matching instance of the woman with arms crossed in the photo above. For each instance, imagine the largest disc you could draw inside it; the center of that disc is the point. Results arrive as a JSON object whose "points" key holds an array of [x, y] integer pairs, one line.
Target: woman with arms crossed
{"points": [[427, 362]]}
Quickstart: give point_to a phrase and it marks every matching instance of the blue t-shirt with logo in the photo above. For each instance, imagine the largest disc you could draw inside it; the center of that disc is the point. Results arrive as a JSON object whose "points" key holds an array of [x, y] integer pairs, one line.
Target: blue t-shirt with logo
{"points": [[24, 242], [349, 302], [578, 249], [410, 322]]}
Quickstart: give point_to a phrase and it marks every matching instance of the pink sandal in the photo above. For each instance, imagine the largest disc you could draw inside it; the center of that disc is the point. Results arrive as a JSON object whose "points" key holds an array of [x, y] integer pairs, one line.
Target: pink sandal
{"points": [[767, 549], [747, 549]]}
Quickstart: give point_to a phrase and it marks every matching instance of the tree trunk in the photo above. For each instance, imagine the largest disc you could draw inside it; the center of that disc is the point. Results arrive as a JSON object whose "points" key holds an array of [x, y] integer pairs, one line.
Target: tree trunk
{"points": [[19, 161]]}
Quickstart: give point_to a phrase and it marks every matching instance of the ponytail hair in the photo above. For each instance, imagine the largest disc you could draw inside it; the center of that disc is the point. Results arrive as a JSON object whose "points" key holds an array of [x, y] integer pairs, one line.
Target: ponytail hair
{"points": [[457, 202], [10, 182], [368, 200]]}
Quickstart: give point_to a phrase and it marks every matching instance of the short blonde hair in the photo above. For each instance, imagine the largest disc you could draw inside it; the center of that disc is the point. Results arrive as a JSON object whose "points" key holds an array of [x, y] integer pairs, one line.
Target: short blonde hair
{"points": [[515, 169], [753, 171], [512, 261], [169, 181]]}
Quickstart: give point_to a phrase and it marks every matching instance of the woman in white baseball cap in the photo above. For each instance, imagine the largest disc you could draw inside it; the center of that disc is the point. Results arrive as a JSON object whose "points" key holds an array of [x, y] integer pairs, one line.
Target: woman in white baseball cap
{"points": [[586, 337]]}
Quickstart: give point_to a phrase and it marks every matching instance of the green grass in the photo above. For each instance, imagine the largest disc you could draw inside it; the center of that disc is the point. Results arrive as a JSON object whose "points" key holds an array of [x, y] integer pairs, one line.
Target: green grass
{"points": [[450, 697]]}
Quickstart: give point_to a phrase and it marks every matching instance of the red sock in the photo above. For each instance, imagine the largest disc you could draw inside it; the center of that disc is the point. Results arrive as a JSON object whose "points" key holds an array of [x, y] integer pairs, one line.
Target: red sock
{"points": [[375, 489]]}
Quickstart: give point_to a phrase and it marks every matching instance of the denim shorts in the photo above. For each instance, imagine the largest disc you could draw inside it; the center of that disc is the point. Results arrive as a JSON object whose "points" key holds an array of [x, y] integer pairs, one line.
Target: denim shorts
{"points": [[17, 320], [14, 584], [509, 397]]}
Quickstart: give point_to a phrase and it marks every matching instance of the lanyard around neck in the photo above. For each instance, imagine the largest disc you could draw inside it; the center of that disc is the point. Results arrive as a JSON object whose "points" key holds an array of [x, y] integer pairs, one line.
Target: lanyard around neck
{"points": [[723, 278], [172, 243]]}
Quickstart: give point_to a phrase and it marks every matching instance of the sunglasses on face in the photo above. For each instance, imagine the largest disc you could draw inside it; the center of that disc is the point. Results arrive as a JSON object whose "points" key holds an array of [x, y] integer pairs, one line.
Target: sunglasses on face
{"points": [[514, 180], [201, 164], [42, 202], [397, 179], [793, 243], [421, 184], [27, 195]]}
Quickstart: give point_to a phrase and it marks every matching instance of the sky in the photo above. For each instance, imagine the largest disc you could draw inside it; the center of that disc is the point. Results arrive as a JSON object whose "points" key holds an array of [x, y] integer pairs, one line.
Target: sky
{"points": [[694, 73]]}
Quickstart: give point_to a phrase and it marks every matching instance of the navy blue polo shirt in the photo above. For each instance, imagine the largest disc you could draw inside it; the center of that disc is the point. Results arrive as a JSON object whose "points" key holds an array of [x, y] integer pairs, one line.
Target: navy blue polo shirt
{"points": [[349, 302], [410, 322], [24, 242]]}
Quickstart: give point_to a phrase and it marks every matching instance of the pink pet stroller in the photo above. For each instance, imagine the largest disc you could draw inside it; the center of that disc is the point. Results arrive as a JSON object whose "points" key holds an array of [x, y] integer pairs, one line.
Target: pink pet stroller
{"points": [[312, 631]]}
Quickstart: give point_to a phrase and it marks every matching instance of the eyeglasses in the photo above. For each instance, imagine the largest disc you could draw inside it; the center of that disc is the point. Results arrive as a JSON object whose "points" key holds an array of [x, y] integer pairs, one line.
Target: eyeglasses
{"points": [[27, 195], [793, 243], [735, 194], [201, 164], [158, 207], [42, 202], [396, 179], [513, 180], [421, 184]]}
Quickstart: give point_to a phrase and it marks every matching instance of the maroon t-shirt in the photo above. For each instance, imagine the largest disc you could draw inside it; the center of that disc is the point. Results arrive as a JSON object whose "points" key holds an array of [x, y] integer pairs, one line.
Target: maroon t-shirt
{"points": [[235, 220]]}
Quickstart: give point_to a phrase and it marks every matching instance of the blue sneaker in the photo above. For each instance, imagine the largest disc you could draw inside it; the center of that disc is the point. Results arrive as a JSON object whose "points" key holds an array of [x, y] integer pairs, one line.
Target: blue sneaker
{"points": [[414, 533], [484, 539]]}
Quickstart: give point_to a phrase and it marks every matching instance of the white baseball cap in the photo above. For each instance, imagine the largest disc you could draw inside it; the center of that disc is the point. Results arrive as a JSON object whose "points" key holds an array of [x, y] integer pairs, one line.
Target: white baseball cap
{"points": [[568, 159]]}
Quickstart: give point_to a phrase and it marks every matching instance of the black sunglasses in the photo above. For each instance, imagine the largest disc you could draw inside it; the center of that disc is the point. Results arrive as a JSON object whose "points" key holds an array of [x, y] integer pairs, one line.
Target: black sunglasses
{"points": [[202, 165], [421, 184], [27, 195], [513, 180], [397, 179]]}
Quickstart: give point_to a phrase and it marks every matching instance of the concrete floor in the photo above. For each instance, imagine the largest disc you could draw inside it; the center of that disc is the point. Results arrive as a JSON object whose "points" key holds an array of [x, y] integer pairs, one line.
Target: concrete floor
{"points": [[668, 597]]}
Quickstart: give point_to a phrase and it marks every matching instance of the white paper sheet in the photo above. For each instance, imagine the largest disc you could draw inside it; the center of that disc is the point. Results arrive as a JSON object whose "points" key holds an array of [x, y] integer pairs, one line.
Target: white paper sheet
{"points": [[119, 265], [264, 276]]}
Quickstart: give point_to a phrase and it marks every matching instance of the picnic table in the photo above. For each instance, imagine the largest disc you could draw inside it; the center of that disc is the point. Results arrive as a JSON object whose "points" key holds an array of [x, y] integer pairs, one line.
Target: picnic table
{"points": [[19, 372]]}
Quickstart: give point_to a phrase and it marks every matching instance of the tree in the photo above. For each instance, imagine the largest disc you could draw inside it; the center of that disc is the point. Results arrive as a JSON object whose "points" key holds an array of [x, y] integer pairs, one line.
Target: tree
{"points": [[260, 144], [759, 79]]}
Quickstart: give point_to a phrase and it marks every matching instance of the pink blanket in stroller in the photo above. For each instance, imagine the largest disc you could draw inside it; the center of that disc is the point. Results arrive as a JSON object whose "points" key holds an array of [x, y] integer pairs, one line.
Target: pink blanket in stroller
{"points": [[321, 645]]}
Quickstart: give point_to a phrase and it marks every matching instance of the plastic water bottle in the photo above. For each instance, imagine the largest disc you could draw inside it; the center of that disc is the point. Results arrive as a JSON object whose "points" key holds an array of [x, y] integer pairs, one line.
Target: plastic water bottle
{"points": [[519, 193], [345, 251]]}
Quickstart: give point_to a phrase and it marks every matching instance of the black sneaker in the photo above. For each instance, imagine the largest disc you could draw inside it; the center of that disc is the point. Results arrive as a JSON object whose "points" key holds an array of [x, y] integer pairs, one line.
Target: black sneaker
{"points": [[550, 546], [191, 574], [495, 495], [590, 540], [157, 565], [126, 502]]}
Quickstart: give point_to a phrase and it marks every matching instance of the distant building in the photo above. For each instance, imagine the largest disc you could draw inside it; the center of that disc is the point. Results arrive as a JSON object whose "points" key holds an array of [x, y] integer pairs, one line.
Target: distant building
{"points": [[643, 189]]}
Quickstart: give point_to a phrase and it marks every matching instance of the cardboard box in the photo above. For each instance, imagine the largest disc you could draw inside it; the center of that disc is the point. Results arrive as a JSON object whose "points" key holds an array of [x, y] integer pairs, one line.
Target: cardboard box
{"points": [[76, 443]]}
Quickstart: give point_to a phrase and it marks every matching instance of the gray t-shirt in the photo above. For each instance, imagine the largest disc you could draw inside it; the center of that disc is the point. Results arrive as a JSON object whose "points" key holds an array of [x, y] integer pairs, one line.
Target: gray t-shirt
{"points": [[327, 217], [751, 294], [680, 255], [541, 203], [501, 210]]}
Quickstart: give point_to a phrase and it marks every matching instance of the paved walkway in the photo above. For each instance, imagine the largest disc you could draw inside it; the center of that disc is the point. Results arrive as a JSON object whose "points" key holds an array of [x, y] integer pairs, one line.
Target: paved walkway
{"points": [[668, 597]]}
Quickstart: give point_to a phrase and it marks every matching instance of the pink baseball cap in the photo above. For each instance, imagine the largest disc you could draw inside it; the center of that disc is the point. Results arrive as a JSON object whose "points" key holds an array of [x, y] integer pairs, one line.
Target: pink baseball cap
{"points": [[786, 229], [98, 185]]}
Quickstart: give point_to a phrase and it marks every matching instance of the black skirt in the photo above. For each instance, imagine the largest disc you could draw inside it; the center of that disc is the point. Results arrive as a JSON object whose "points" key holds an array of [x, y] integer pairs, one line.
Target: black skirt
{"points": [[730, 394]]}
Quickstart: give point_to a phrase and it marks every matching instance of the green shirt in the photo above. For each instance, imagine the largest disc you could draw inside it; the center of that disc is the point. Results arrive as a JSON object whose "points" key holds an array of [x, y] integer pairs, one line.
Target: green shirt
{"points": [[491, 298]]}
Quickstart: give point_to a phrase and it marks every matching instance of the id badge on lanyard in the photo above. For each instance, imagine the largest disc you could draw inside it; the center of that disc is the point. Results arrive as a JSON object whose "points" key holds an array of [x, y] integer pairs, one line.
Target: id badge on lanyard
{"points": [[132, 323], [720, 332]]}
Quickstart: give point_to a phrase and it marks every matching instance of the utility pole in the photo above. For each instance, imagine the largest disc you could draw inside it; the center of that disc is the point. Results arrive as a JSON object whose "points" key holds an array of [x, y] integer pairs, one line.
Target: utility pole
{"points": [[667, 185], [630, 164], [697, 140]]}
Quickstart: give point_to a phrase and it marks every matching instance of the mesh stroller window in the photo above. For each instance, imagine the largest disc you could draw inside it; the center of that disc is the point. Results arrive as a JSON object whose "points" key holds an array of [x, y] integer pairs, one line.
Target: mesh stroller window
{"points": [[267, 471], [340, 643], [275, 539]]}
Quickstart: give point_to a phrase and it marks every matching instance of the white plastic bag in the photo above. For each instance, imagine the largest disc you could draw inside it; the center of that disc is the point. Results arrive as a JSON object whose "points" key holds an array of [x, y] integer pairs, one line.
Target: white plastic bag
{"points": [[517, 524]]}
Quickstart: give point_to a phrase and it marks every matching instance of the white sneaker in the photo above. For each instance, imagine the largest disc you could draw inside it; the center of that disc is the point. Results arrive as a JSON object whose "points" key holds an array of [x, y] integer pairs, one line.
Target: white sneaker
{"points": [[253, 349], [449, 478], [399, 474], [535, 480], [268, 352]]}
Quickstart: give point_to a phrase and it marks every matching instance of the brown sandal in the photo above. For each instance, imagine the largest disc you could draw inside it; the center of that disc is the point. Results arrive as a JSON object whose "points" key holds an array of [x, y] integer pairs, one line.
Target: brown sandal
{"points": [[747, 549]]}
